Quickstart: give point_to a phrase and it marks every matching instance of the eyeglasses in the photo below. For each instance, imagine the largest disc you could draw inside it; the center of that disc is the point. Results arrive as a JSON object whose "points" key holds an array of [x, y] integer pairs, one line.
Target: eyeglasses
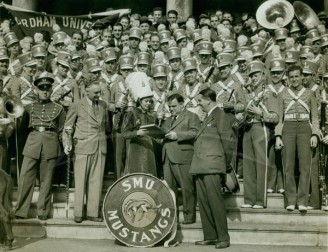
{"points": [[45, 88]]}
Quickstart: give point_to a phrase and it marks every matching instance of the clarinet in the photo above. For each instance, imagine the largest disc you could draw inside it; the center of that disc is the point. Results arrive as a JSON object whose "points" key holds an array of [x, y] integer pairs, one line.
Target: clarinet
{"points": [[210, 72], [322, 158]]}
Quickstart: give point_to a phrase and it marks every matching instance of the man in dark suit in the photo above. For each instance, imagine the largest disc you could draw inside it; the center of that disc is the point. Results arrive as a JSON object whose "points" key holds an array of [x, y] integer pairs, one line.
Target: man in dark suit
{"points": [[178, 151], [208, 166], [42, 149], [86, 123]]}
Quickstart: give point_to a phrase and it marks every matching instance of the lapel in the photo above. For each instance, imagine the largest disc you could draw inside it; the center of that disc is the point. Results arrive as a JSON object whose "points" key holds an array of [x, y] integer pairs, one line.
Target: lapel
{"points": [[178, 120], [88, 109], [204, 124]]}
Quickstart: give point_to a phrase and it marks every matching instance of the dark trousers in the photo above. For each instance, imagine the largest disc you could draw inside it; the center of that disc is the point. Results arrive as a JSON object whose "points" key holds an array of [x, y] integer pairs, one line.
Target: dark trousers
{"points": [[119, 153], [296, 138], [178, 175], [27, 182], [314, 199], [255, 163], [211, 207], [275, 169]]}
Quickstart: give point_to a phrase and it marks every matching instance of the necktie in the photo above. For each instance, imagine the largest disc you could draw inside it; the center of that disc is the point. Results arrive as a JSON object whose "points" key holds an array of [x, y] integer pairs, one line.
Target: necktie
{"points": [[174, 118]]}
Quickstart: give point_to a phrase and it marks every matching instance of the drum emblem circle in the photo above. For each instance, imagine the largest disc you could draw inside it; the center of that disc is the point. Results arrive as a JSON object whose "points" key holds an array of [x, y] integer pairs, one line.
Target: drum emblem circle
{"points": [[139, 210]]}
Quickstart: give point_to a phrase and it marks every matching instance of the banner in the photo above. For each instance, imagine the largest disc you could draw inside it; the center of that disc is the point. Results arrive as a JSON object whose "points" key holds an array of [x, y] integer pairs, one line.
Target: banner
{"points": [[29, 22]]}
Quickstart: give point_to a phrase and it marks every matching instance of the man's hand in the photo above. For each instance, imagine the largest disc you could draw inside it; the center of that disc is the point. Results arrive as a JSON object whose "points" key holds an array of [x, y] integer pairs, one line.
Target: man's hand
{"points": [[255, 110], [325, 139], [172, 135], [120, 104], [67, 149], [279, 143], [314, 141], [142, 132]]}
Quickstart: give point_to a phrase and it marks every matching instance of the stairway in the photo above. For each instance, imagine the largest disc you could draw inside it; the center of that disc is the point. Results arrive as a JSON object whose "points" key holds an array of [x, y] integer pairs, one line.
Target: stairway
{"points": [[270, 226]]}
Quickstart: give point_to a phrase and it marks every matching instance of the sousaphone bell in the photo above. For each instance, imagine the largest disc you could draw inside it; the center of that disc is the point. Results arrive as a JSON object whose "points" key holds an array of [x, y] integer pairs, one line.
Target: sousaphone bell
{"points": [[306, 15], [273, 14]]}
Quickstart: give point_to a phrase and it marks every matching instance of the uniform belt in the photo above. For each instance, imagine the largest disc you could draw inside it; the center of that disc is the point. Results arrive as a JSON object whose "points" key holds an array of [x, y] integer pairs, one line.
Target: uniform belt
{"points": [[43, 129], [297, 116]]}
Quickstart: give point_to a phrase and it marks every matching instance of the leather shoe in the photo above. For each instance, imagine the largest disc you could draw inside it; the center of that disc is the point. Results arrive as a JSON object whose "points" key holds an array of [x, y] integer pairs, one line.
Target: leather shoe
{"points": [[186, 222], [42, 217], [223, 244], [95, 219], [19, 217], [78, 219], [206, 242]]}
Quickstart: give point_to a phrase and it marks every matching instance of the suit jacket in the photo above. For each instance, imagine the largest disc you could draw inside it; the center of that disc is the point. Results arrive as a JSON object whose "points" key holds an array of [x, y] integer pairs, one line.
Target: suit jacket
{"points": [[89, 128], [210, 144], [180, 151]]}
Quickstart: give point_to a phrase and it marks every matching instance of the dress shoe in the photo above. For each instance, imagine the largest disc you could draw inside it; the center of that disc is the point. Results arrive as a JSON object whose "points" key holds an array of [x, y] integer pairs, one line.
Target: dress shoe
{"points": [[269, 191], [246, 206], [310, 208], [302, 208], [186, 222], [223, 244], [206, 242], [282, 191], [78, 219], [42, 217], [20, 217], [325, 208], [290, 207], [257, 207], [95, 219]]}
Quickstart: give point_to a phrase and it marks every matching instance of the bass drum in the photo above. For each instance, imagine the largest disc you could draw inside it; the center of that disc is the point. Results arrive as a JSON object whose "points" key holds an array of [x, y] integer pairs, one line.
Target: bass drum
{"points": [[140, 210]]}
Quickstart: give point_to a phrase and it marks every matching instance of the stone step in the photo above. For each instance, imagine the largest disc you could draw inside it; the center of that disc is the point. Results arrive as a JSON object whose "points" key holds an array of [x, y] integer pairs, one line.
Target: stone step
{"points": [[234, 215], [240, 233]]}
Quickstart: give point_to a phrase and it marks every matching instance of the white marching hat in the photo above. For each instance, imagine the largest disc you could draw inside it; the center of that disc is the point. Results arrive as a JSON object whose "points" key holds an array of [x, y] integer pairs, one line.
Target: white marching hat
{"points": [[138, 84]]}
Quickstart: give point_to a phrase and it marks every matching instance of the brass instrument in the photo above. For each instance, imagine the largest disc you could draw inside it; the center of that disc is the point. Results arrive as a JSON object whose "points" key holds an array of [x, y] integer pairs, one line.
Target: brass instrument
{"points": [[120, 112], [247, 117], [273, 14], [323, 158], [305, 15], [11, 106]]}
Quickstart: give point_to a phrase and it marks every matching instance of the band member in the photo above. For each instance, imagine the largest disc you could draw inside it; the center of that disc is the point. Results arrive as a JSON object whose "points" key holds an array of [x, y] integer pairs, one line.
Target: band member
{"points": [[65, 89], [39, 53], [204, 67], [262, 111], [208, 167], [324, 169], [192, 86], [275, 170], [296, 134], [175, 76], [159, 89], [85, 127], [309, 73], [141, 156], [42, 148], [122, 101], [228, 96], [12, 43], [178, 151]]}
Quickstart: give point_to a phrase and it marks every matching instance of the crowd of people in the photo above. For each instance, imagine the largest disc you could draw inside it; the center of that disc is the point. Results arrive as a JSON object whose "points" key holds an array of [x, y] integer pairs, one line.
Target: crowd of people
{"points": [[229, 93]]}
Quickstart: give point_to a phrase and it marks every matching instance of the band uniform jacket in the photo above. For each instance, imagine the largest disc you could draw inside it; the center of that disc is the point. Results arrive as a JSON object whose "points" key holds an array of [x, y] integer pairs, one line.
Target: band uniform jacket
{"points": [[88, 126], [210, 145], [186, 125], [48, 115]]}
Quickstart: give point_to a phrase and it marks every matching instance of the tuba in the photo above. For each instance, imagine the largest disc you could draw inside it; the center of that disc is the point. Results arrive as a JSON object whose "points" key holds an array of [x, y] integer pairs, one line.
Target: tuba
{"points": [[11, 106], [305, 15], [273, 14]]}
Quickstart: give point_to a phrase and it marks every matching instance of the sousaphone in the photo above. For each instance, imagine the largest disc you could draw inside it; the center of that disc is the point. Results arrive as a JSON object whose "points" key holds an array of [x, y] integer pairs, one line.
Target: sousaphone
{"points": [[273, 14], [305, 15]]}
